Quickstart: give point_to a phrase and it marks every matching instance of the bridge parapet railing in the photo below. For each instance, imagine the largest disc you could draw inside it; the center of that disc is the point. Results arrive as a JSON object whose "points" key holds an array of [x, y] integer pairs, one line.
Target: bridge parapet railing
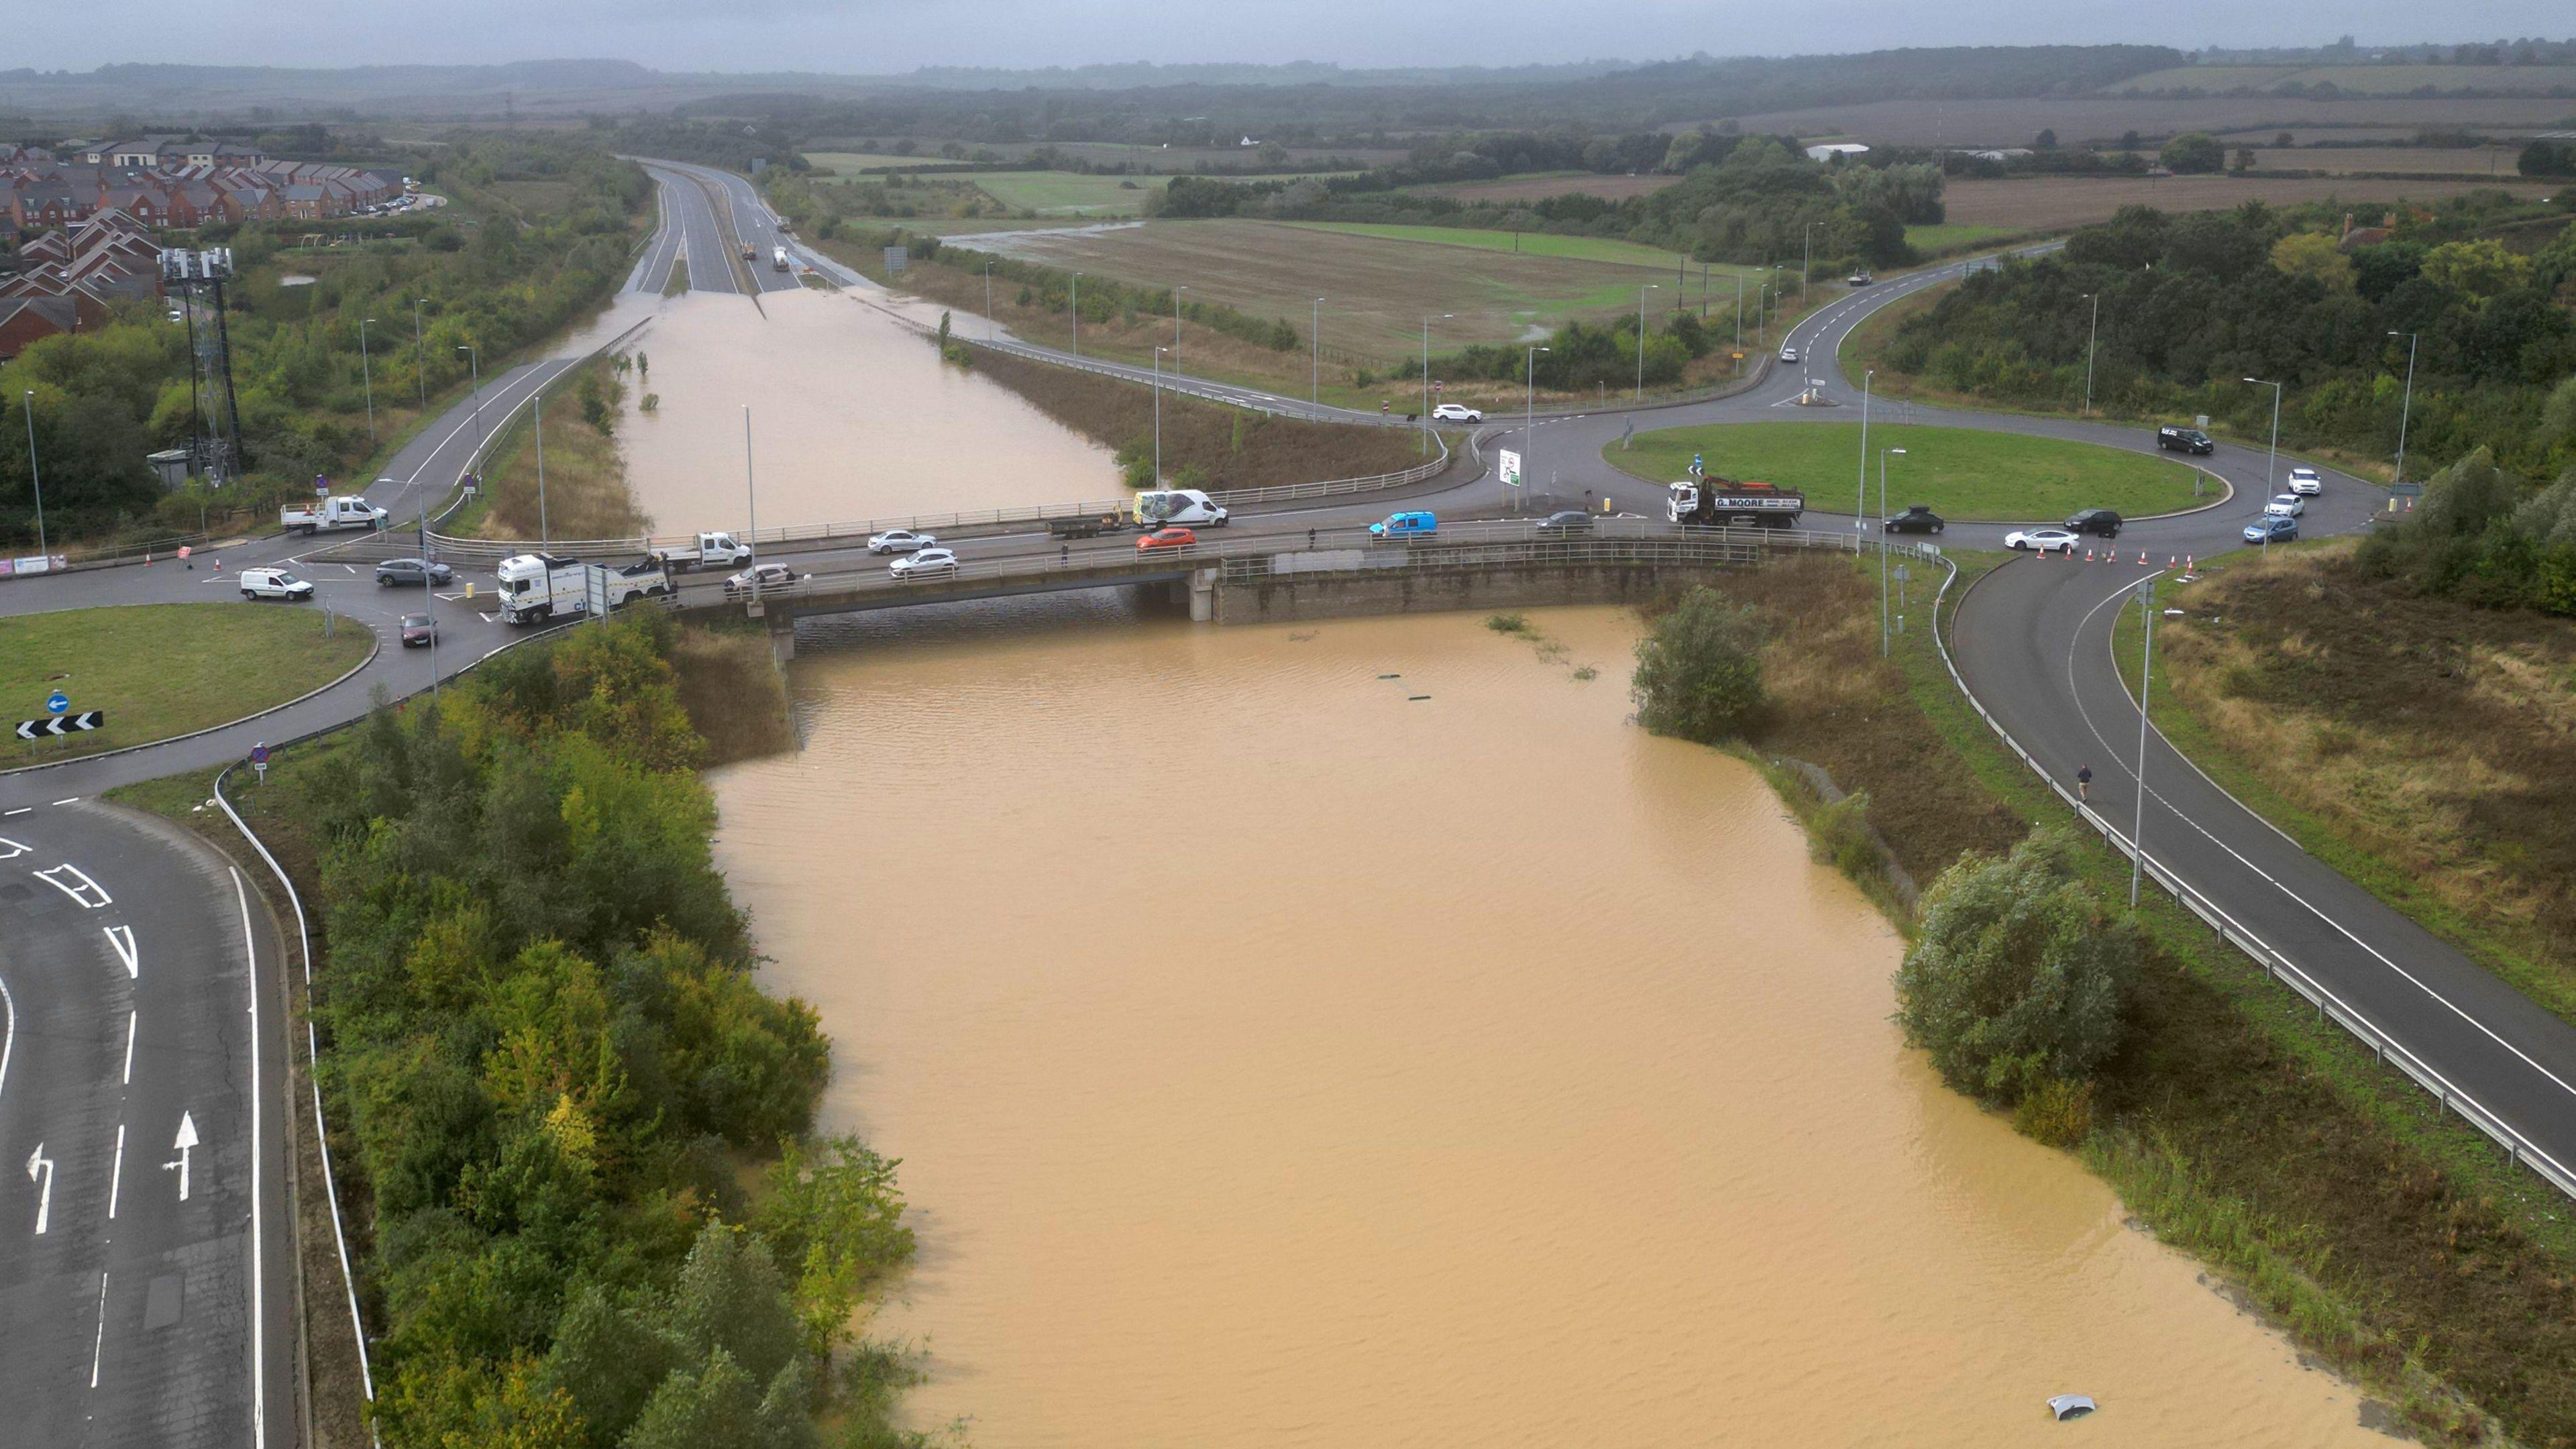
{"points": [[2383, 1045]]}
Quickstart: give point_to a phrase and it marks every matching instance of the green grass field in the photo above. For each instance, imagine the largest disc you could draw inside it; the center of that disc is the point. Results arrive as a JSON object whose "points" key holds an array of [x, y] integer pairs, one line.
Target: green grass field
{"points": [[1949, 235], [1963, 473], [164, 669], [850, 163], [1528, 243], [1061, 193]]}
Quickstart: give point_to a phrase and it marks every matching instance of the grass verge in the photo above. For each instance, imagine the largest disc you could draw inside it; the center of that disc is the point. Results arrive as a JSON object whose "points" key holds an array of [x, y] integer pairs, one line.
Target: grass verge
{"points": [[1964, 473], [167, 669], [2385, 1237], [584, 472]]}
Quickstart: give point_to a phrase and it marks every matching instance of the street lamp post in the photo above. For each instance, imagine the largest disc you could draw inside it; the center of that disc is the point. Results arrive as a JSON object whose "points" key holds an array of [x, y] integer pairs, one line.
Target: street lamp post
{"points": [[2406, 410], [1426, 379], [419, 356], [1315, 360], [2090, 339], [1806, 249], [1883, 642], [1529, 420], [36, 478], [1860, 499], [1176, 327], [1739, 309], [1640, 394], [988, 299], [2270, 467], [1077, 314], [1158, 415], [477, 359], [751, 494], [367, 375], [545, 536], [2146, 670]]}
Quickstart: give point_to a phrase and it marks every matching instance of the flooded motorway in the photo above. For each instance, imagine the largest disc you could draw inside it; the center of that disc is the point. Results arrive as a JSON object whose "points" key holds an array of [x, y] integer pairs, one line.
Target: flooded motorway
{"points": [[1360, 1033]]}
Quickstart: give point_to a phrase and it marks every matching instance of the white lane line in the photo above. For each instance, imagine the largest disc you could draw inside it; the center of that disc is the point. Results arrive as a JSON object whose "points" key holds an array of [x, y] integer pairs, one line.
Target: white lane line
{"points": [[122, 938], [82, 892], [21, 810], [14, 848], [116, 1176], [68, 800], [2275, 883], [130, 1014], [98, 1350], [9, 1033], [258, 1223]]}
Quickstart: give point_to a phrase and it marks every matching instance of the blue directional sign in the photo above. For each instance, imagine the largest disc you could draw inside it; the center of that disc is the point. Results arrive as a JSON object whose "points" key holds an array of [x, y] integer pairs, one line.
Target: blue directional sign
{"points": [[57, 702]]}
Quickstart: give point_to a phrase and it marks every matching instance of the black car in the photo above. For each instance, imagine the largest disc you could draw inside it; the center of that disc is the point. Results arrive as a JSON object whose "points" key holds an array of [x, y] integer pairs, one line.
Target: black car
{"points": [[2095, 520], [2184, 440], [1917, 518], [413, 571], [1573, 520]]}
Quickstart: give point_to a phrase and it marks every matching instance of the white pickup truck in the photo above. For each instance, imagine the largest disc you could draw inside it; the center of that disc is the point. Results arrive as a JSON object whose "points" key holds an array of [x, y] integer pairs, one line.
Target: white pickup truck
{"points": [[348, 511], [711, 551]]}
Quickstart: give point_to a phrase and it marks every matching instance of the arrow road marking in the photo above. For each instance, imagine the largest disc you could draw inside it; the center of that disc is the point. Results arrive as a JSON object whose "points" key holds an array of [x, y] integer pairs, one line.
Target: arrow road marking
{"points": [[39, 1163], [187, 1142], [82, 892], [122, 938]]}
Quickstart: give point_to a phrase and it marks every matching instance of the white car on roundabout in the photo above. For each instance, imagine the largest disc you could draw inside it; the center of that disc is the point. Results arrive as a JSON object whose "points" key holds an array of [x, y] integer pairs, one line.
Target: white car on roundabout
{"points": [[2040, 540], [1456, 413], [2286, 505], [2306, 482]]}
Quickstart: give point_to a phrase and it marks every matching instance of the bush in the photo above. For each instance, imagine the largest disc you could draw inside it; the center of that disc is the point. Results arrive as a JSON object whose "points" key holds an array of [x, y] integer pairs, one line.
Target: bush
{"points": [[1699, 672], [2020, 978]]}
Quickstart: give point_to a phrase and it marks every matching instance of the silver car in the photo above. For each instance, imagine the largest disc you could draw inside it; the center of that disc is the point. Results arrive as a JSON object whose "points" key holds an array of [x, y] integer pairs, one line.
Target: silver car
{"points": [[2286, 505]]}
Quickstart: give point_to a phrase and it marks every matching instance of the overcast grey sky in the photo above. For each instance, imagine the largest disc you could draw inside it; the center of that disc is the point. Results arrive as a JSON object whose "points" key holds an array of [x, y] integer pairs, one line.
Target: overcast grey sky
{"points": [[875, 36]]}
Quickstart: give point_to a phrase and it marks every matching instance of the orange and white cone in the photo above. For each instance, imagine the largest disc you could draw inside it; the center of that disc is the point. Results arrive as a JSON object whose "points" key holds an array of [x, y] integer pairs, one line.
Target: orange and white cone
{"points": [[2088, 554]]}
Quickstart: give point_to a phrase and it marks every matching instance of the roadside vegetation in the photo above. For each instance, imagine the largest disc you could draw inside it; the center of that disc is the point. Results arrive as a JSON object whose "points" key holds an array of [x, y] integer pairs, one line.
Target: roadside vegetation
{"points": [[585, 493], [537, 234], [2193, 304], [576, 1130], [1963, 473], [2383, 1236], [165, 669]]}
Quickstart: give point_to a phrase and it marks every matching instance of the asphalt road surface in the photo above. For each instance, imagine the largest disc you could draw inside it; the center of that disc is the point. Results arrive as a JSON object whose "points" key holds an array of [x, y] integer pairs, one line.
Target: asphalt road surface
{"points": [[131, 1264]]}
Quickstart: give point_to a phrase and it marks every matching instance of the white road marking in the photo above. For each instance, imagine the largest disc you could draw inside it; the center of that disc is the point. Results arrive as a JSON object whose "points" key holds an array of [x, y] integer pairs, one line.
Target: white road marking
{"points": [[39, 1163], [21, 810], [98, 1350], [2275, 883], [258, 1223], [68, 800], [122, 938], [116, 1176], [82, 892], [8, 1037], [186, 1144], [130, 1015], [14, 848]]}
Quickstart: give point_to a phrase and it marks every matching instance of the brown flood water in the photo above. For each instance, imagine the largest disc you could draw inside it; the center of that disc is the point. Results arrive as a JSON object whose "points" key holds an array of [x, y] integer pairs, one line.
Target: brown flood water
{"points": [[1279, 1060], [853, 418]]}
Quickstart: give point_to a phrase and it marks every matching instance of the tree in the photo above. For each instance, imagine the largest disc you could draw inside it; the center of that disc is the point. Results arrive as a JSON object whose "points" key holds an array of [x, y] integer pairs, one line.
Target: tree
{"points": [[2193, 151], [1684, 152], [2478, 269], [1699, 671], [609, 1362], [2316, 257], [2548, 158], [2045, 141], [2244, 159], [731, 1300], [2020, 977]]}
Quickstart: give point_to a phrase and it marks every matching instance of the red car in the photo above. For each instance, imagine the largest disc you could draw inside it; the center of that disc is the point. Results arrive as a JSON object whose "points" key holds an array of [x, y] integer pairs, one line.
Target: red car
{"points": [[1166, 538]]}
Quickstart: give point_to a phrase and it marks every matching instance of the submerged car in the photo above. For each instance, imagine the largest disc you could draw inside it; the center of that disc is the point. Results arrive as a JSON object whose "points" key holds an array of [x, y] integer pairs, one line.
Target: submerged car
{"points": [[2040, 540]]}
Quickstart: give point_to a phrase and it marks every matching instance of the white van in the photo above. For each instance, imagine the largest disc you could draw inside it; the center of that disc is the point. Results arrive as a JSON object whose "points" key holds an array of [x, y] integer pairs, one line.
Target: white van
{"points": [[1154, 508], [274, 584]]}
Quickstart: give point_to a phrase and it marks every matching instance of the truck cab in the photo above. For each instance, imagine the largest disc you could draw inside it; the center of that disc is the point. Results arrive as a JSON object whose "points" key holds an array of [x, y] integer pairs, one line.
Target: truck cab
{"points": [[1156, 507], [707, 550], [778, 259], [346, 511], [537, 586]]}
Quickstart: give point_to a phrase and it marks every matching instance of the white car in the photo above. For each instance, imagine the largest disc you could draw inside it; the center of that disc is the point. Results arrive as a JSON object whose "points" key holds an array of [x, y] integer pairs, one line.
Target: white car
{"points": [[274, 584], [925, 562], [1456, 413], [2305, 482], [899, 540], [2286, 505], [1788, 354], [2041, 540]]}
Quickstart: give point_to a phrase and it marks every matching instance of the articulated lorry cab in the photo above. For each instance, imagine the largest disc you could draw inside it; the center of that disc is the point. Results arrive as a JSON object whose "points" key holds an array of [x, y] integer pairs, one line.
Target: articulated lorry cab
{"points": [[536, 587], [778, 259], [1725, 503], [1157, 507]]}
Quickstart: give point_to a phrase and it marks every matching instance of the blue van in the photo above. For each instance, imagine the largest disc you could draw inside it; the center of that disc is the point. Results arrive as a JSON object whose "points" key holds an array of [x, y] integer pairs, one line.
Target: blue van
{"points": [[1405, 525]]}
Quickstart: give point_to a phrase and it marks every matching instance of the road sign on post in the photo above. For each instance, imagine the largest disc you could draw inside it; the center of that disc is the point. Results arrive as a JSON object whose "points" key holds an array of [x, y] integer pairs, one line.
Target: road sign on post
{"points": [[57, 702], [1507, 464], [56, 726], [259, 761]]}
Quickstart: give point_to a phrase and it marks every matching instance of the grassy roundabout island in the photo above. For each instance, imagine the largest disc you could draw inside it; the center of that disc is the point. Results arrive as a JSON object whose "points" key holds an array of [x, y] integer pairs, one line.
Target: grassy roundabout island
{"points": [[163, 669], [1963, 473]]}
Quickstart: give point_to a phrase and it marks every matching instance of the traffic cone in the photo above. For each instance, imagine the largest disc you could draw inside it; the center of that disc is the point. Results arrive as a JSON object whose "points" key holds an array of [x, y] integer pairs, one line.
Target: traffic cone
{"points": [[2088, 555], [2169, 560], [147, 558], [2142, 558]]}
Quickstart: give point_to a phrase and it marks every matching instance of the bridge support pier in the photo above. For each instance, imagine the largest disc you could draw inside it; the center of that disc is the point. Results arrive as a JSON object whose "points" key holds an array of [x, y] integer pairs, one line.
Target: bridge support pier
{"points": [[782, 640], [1202, 587]]}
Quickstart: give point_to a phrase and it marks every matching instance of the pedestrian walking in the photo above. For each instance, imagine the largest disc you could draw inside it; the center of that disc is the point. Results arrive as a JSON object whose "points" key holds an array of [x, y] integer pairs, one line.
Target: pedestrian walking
{"points": [[2084, 783]]}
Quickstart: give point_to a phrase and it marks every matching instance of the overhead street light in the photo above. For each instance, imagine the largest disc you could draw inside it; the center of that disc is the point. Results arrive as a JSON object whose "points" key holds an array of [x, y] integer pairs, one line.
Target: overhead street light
{"points": [[1640, 394], [2089, 339], [477, 358], [366, 374], [2406, 411], [1529, 420], [2272, 466], [1158, 415], [2146, 670], [1425, 429], [1883, 454], [1315, 364]]}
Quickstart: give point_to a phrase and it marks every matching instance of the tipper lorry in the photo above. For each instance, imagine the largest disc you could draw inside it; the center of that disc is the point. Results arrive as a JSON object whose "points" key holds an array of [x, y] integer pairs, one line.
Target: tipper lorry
{"points": [[1725, 503], [330, 514]]}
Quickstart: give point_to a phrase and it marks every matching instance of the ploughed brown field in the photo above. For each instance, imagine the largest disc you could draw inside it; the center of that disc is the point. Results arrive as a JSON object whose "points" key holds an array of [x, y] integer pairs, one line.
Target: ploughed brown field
{"points": [[2055, 202], [2105, 118], [2496, 161]]}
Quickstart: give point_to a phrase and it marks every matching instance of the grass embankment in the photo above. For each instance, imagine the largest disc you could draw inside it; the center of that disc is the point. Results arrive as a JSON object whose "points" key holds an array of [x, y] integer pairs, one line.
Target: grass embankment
{"points": [[585, 493], [1528, 244], [1205, 445], [569, 1125], [1963, 473], [166, 669], [2387, 1238], [2423, 748]]}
